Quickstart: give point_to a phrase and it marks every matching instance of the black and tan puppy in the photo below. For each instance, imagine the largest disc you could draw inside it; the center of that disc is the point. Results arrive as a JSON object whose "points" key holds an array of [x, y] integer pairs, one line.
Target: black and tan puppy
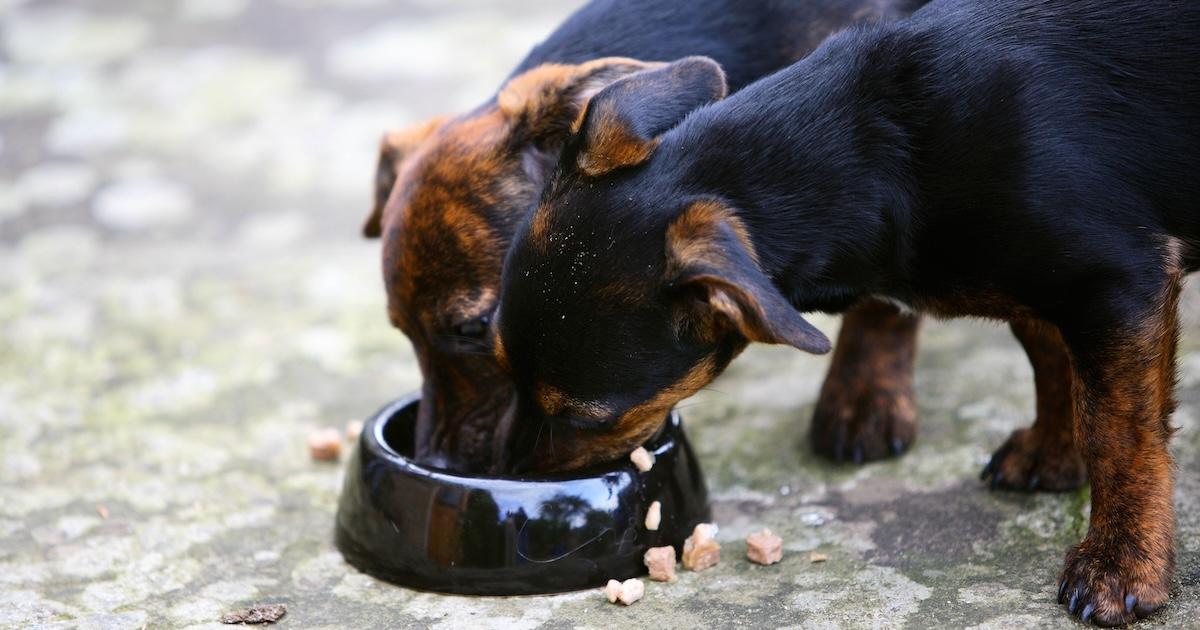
{"points": [[450, 192], [1031, 161]]}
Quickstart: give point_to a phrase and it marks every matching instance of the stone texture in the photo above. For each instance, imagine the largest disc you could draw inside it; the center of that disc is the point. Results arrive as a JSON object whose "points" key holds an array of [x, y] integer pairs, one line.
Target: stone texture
{"points": [[166, 348]]}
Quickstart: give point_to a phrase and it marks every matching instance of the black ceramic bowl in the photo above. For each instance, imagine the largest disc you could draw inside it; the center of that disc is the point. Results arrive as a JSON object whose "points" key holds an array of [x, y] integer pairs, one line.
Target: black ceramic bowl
{"points": [[442, 531]]}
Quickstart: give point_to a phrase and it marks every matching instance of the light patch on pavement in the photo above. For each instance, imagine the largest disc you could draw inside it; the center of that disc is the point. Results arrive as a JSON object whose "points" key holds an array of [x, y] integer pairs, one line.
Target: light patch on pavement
{"points": [[57, 183], [142, 204], [71, 36], [209, 10]]}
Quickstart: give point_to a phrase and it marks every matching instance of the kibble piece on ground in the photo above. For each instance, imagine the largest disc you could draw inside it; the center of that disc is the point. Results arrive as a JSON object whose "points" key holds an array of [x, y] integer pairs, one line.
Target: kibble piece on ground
{"points": [[261, 614], [700, 551], [631, 591], [353, 429], [816, 556], [654, 516], [661, 562], [612, 591], [325, 444], [764, 547], [642, 459]]}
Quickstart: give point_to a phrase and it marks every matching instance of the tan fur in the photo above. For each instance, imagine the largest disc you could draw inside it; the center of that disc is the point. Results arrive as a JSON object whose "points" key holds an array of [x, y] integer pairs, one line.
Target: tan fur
{"points": [[1043, 456], [1122, 408], [866, 410], [394, 147], [556, 95], [612, 145], [634, 427], [692, 236], [554, 401]]}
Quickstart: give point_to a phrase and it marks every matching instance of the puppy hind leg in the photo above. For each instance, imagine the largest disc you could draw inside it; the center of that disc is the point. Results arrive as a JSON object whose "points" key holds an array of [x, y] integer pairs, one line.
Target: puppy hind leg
{"points": [[1043, 456]]}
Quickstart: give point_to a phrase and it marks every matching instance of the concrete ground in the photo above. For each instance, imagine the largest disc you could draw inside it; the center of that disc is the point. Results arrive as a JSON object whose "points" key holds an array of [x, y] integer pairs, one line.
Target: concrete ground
{"points": [[183, 295]]}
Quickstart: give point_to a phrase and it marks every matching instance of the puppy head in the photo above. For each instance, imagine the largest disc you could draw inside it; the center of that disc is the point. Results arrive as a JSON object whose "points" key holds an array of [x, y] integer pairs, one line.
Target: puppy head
{"points": [[449, 194], [623, 295]]}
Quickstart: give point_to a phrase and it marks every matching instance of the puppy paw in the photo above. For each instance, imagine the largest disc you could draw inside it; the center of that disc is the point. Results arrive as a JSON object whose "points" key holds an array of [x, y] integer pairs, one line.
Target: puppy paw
{"points": [[862, 422], [1112, 587], [1029, 462]]}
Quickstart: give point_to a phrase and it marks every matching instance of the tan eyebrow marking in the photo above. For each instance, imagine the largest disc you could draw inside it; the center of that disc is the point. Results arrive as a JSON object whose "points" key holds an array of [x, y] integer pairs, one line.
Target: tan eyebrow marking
{"points": [[554, 401]]}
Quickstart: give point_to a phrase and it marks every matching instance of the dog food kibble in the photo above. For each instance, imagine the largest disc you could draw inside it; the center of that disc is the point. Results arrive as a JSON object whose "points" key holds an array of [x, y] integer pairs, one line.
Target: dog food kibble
{"points": [[764, 547], [642, 459], [325, 444], [631, 591], [700, 551], [612, 591], [661, 562], [353, 429], [654, 516], [815, 557]]}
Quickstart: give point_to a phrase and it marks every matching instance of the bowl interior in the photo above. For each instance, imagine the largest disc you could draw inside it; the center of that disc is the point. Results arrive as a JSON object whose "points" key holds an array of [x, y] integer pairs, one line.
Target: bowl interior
{"points": [[395, 434]]}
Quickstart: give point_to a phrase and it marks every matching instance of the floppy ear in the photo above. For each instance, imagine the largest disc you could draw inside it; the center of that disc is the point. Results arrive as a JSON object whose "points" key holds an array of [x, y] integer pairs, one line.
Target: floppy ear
{"points": [[624, 120], [393, 148], [547, 101], [710, 251]]}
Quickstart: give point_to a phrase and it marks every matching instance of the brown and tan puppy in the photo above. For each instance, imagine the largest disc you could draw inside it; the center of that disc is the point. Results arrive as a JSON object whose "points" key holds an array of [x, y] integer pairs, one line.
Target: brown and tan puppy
{"points": [[450, 193]]}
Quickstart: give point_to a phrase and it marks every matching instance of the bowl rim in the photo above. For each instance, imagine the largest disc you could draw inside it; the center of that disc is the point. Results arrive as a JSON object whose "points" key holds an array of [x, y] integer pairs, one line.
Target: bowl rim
{"points": [[379, 447]]}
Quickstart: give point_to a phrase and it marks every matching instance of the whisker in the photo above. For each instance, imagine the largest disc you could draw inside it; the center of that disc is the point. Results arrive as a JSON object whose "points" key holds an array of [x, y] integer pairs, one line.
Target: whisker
{"points": [[464, 345], [474, 353], [538, 437], [471, 341]]}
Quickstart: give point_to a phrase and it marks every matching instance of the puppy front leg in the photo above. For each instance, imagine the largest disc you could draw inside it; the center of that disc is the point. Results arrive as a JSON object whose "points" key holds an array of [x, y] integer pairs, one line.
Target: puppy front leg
{"points": [[1043, 456], [1124, 380], [866, 410]]}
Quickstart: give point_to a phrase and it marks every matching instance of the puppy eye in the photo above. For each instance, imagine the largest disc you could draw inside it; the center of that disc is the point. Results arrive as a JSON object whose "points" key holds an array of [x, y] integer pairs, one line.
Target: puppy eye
{"points": [[474, 328]]}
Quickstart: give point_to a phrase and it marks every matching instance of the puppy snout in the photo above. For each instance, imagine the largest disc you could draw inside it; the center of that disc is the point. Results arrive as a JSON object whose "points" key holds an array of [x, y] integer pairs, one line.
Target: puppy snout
{"points": [[590, 421]]}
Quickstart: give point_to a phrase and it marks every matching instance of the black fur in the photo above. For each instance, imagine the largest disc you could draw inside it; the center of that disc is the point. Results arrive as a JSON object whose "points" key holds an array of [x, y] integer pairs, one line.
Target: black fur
{"points": [[1034, 151], [749, 38], [1008, 158]]}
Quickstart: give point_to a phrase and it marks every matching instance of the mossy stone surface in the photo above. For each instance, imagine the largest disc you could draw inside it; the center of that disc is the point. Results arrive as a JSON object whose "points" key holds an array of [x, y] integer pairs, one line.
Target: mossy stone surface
{"points": [[183, 296]]}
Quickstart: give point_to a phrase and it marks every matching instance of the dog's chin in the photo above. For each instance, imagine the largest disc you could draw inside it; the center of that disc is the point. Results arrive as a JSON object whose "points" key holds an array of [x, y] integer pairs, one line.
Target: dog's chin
{"points": [[547, 446], [471, 440], [540, 446], [502, 438]]}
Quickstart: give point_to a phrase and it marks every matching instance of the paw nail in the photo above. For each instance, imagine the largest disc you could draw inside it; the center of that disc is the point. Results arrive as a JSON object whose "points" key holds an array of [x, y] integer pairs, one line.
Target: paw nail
{"points": [[1062, 589], [1086, 615], [858, 455], [1143, 610], [1074, 603], [897, 446], [1130, 602]]}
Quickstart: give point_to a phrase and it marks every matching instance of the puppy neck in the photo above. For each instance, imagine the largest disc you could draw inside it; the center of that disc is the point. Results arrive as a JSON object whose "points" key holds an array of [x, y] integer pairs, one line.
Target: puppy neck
{"points": [[815, 160]]}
